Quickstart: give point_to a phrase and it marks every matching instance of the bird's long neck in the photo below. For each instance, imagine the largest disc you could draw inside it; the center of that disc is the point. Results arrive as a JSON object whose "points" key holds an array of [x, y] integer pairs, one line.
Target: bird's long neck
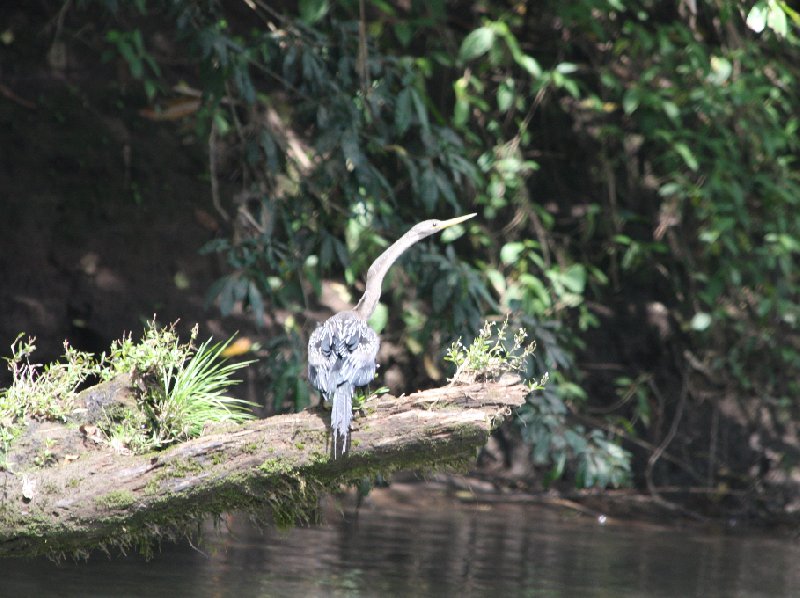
{"points": [[377, 271]]}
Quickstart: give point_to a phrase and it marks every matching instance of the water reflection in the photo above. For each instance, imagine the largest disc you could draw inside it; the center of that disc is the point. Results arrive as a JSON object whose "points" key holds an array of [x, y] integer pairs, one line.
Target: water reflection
{"points": [[441, 549]]}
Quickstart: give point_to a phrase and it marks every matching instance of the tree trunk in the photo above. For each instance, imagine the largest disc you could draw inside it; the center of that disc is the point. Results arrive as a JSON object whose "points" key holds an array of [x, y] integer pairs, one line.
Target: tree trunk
{"points": [[277, 466]]}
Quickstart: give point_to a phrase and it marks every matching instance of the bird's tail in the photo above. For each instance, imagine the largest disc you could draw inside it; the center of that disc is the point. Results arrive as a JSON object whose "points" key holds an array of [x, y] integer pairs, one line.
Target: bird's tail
{"points": [[341, 414]]}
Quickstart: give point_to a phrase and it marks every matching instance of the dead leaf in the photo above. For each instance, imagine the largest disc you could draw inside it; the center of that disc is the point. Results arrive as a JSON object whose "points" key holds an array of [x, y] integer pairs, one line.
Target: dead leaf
{"points": [[173, 110], [239, 347]]}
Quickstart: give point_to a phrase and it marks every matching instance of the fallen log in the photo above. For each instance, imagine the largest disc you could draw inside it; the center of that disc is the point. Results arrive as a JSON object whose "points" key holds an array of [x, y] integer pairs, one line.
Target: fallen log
{"points": [[277, 466]]}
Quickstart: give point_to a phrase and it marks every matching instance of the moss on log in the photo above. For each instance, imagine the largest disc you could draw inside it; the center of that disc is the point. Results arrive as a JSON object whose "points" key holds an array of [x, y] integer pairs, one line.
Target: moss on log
{"points": [[276, 466]]}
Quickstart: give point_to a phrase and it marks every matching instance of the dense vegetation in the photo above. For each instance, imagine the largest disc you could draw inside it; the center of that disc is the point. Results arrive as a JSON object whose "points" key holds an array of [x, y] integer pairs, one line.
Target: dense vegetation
{"points": [[634, 165]]}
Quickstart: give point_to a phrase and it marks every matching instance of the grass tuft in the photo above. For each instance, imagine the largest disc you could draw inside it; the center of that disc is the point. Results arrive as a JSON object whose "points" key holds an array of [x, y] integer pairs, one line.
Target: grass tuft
{"points": [[491, 354], [182, 388]]}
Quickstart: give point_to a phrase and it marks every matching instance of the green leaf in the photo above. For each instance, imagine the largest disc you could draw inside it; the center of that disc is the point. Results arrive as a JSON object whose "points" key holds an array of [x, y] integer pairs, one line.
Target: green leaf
{"points": [[721, 70], [757, 17], [669, 189], [687, 155], [700, 321], [403, 31], [529, 64], [461, 110], [630, 101], [671, 110], [402, 111], [422, 112], [379, 318], [505, 94], [477, 43], [429, 191], [350, 148], [497, 280], [510, 252], [256, 301], [776, 19], [574, 278], [312, 11]]}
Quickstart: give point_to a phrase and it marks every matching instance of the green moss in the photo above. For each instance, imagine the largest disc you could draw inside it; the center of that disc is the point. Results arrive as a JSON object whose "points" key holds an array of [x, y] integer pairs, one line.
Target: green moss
{"points": [[174, 470], [275, 466], [318, 457], [300, 446], [251, 447], [153, 486], [288, 492], [181, 468], [116, 499]]}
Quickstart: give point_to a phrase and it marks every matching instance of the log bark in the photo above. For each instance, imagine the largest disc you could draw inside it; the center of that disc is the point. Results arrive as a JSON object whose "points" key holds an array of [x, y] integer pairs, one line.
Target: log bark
{"points": [[276, 466]]}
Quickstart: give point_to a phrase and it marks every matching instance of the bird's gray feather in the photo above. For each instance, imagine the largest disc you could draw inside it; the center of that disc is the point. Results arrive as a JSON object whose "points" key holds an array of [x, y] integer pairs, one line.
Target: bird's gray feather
{"points": [[341, 357]]}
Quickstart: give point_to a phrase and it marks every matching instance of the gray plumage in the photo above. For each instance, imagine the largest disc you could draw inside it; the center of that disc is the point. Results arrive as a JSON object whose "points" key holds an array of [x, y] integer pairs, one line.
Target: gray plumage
{"points": [[341, 357], [342, 351]]}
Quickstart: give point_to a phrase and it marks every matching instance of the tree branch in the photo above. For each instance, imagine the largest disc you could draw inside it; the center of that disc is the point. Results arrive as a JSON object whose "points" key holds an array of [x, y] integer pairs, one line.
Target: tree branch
{"points": [[280, 464]]}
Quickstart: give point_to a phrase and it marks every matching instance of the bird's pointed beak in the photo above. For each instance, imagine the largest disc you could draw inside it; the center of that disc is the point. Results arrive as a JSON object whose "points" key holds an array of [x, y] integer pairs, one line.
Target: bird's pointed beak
{"points": [[458, 220]]}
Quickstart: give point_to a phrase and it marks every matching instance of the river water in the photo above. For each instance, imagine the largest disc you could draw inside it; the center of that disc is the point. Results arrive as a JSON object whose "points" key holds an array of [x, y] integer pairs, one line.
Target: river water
{"points": [[404, 542]]}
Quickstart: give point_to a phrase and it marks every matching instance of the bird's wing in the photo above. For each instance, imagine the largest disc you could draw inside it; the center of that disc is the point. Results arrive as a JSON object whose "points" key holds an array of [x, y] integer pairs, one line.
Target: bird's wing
{"points": [[362, 359], [342, 351], [358, 348], [321, 359]]}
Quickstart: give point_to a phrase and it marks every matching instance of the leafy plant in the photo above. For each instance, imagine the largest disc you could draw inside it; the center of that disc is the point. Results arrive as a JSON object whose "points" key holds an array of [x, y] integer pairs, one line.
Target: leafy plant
{"points": [[40, 392], [491, 354], [183, 389], [628, 154], [598, 459], [184, 386]]}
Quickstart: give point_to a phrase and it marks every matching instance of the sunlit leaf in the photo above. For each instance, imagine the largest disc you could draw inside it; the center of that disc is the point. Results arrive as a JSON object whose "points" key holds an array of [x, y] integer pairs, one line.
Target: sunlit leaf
{"points": [[574, 278], [476, 43], [379, 318], [505, 94], [757, 17], [312, 11], [700, 321], [630, 101], [687, 155], [776, 19], [510, 252]]}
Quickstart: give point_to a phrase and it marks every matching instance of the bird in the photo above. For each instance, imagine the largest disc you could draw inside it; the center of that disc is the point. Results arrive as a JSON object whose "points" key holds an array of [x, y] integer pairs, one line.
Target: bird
{"points": [[342, 351]]}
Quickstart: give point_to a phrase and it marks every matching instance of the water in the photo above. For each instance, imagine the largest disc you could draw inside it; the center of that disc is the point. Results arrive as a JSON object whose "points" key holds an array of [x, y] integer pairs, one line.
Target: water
{"points": [[410, 543]]}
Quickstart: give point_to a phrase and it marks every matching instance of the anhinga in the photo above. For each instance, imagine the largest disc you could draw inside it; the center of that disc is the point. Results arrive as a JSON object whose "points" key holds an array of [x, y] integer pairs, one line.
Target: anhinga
{"points": [[342, 351]]}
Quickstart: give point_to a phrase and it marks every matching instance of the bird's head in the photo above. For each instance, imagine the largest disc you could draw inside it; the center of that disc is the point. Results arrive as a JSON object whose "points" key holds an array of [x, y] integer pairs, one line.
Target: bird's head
{"points": [[430, 227]]}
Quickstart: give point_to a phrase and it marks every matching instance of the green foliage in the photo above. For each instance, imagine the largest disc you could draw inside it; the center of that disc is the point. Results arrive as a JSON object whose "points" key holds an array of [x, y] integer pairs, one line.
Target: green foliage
{"points": [[598, 459], [491, 354], [362, 395], [339, 145], [626, 153], [142, 65], [338, 149], [40, 392], [286, 369], [182, 387], [723, 137]]}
